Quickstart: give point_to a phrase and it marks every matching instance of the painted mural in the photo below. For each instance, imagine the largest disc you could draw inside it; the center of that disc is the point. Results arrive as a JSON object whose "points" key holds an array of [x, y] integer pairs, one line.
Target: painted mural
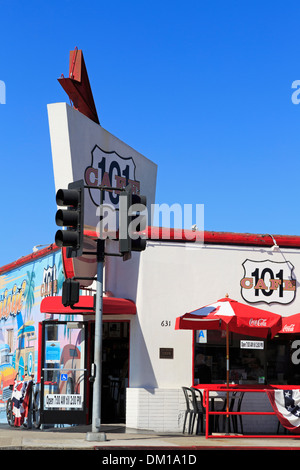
{"points": [[21, 292]]}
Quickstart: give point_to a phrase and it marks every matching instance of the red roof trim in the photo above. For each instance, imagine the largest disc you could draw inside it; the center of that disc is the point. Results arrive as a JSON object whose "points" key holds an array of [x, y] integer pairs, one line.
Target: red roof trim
{"points": [[27, 259], [68, 264], [111, 306], [228, 238], [178, 235], [217, 238]]}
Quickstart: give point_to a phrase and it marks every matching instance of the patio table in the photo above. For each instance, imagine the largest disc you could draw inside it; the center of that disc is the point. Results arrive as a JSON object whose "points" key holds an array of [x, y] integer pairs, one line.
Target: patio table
{"points": [[253, 388]]}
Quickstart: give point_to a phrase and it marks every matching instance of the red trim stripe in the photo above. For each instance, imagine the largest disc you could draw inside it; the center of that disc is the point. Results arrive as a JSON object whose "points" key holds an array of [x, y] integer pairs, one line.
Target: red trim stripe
{"points": [[178, 235]]}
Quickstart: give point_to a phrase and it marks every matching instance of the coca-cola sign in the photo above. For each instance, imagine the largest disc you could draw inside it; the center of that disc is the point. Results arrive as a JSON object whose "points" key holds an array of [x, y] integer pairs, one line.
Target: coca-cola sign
{"points": [[268, 281], [289, 328], [258, 322]]}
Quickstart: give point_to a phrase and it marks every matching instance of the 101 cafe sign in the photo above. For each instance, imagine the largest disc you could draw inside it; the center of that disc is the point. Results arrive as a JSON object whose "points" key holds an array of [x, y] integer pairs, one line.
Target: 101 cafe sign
{"points": [[268, 281]]}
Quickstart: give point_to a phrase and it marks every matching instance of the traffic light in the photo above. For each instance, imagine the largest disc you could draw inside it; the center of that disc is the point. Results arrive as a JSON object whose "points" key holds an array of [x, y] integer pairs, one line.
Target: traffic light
{"points": [[132, 220], [70, 292], [138, 222], [71, 218]]}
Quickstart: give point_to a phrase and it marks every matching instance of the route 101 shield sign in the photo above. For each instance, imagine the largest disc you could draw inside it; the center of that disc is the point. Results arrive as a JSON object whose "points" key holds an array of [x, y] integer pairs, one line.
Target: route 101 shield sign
{"points": [[268, 281]]}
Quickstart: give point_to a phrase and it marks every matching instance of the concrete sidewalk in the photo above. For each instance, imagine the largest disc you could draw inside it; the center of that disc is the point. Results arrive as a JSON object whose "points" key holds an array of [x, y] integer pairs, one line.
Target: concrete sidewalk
{"points": [[118, 437]]}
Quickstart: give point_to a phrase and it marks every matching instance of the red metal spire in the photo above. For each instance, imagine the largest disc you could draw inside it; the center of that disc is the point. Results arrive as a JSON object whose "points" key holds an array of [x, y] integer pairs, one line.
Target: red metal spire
{"points": [[78, 88]]}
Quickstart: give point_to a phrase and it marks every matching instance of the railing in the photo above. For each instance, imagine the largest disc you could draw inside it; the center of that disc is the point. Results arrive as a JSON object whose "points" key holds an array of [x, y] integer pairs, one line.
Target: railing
{"points": [[228, 413]]}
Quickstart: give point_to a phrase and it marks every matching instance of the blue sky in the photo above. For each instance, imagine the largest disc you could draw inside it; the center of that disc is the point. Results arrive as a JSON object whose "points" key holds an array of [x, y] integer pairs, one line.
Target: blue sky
{"points": [[201, 88]]}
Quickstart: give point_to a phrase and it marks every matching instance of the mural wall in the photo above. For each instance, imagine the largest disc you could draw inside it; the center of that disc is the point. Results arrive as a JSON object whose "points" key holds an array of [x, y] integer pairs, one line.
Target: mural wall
{"points": [[21, 292]]}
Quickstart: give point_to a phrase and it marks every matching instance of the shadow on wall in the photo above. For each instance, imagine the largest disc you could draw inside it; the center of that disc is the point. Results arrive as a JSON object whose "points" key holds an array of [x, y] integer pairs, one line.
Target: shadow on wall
{"points": [[141, 373], [121, 278]]}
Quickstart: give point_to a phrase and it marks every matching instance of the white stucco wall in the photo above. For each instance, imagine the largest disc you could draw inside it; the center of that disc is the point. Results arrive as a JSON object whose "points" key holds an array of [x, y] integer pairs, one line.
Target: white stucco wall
{"points": [[167, 280]]}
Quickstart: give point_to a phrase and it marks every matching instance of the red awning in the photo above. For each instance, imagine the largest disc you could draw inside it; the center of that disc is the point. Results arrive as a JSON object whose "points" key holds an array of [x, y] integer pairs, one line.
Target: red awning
{"points": [[111, 306]]}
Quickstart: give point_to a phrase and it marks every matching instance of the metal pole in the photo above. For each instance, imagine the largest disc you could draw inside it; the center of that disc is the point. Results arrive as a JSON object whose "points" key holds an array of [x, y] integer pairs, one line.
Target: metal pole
{"points": [[96, 435], [227, 380]]}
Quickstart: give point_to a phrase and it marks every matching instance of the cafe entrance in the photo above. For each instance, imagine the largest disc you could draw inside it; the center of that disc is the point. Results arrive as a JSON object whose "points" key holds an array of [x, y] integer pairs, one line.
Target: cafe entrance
{"points": [[115, 360], [64, 372], [66, 387]]}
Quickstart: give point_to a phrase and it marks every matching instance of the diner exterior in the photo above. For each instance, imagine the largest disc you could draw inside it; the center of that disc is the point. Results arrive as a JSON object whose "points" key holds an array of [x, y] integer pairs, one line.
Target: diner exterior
{"points": [[173, 276], [176, 276], [179, 271]]}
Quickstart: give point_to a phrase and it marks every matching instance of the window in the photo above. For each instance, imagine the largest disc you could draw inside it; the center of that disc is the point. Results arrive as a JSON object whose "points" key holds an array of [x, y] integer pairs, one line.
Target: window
{"points": [[10, 338], [283, 360], [251, 360]]}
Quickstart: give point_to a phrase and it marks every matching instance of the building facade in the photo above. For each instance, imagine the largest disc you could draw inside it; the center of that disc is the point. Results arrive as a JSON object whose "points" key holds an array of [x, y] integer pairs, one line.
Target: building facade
{"points": [[145, 360]]}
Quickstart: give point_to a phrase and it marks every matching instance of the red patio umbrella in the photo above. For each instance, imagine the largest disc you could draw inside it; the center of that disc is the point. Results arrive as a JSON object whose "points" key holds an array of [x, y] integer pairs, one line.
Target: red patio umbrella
{"points": [[290, 324], [231, 315], [238, 317]]}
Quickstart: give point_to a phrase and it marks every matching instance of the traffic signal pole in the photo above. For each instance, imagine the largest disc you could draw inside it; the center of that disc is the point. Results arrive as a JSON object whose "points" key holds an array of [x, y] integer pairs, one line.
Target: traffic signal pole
{"points": [[72, 219], [96, 435]]}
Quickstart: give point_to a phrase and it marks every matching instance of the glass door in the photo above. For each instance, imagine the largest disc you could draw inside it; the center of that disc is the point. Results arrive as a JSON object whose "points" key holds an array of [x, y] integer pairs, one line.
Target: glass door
{"points": [[64, 372]]}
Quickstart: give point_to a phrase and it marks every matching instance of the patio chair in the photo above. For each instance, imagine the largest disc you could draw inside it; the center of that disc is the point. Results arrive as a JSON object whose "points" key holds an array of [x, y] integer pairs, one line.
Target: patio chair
{"points": [[236, 397], [189, 409], [198, 410], [236, 418], [278, 428]]}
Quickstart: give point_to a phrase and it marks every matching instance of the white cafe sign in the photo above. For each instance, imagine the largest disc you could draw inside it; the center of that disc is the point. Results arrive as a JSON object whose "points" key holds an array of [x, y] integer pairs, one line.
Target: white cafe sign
{"points": [[250, 344], [268, 281]]}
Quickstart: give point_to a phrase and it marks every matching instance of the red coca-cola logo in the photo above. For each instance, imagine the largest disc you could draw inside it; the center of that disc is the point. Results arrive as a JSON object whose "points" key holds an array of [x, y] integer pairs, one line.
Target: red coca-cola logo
{"points": [[258, 322], [288, 328]]}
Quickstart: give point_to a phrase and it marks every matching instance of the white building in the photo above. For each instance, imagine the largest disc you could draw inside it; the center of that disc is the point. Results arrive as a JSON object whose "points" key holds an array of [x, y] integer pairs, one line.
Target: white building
{"points": [[174, 275]]}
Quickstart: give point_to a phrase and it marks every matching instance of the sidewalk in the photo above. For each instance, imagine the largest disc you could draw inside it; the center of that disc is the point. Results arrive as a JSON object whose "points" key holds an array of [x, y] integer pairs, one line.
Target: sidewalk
{"points": [[118, 437]]}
